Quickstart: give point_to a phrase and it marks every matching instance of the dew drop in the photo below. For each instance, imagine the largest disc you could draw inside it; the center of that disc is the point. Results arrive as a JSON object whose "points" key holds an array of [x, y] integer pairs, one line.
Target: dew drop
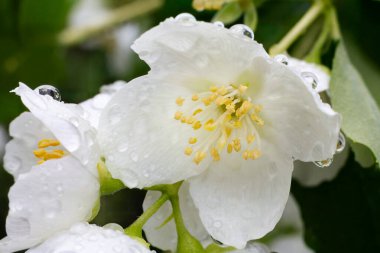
{"points": [[122, 147], [74, 121], [134, 157], [186, 19], [324, 163], [281, 58], [219, 24], [217, 224], [310, 78], [17, 226], [12, 164], [341, 143], [50, 91], [242, 30], [114, 226]]}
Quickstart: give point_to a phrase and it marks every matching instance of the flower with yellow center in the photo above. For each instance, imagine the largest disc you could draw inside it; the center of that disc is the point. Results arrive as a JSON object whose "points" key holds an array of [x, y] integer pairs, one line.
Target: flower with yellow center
{"points": [[52, 156], [217, 111]]}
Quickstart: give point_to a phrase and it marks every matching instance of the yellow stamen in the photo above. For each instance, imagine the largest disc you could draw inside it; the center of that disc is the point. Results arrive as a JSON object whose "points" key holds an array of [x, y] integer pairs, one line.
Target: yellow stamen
{"points": [[257, 119], [192, 140], [236, 145], [197, 125], [39, 153], [188, 151], [229, 148], [250, 138], [179, 101], [54, 154], [40, 162], [210, 126], [242, 88], [48, 143], [215, 154], [213, 88], [178, 115], [195, 97], [199, 110], [199, 156]]}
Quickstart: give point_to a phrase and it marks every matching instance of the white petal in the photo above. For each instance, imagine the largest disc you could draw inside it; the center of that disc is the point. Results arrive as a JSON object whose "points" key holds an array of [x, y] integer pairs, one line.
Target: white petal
{"points": [[255, 247], [299, 66], [85, 238], [26, 131], [48, 199], [94, 106], [242, 200], [3, 139], [295, 117], [165, 237], [66, 122], [290, 244], [140, 139], [196, 52]]}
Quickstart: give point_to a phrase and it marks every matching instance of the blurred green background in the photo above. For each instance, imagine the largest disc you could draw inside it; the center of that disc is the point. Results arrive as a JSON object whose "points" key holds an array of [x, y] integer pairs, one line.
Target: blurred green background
{"points": [[33, 51]]}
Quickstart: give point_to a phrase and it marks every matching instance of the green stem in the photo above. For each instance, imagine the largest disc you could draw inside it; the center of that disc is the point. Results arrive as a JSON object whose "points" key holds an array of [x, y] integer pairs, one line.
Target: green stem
{"points": [[186, 242], [73, 36], [135, 229], [299, 28], [335, 30], [315, 53]]}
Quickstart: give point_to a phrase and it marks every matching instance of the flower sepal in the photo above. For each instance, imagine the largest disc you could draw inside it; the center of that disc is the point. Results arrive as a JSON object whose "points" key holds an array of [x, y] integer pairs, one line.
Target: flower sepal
{"points": [[108, 185]]}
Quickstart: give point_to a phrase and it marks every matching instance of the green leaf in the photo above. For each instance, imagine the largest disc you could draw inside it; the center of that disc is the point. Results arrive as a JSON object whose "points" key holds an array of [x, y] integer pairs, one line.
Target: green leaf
{"points": [[229, 13], [351, 98], [342, 215], [250, 17]]}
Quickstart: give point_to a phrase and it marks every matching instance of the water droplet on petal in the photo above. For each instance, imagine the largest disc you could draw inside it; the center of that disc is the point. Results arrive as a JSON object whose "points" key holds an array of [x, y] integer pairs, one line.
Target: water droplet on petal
{"points": [[281, 58], [310, 78], [324, 163], [17, 226], [50, 91], [122, 147], [217, 224], [219, 24], [186, 19], [74, 121], [114, 226], [242, 30], [341, 143]]}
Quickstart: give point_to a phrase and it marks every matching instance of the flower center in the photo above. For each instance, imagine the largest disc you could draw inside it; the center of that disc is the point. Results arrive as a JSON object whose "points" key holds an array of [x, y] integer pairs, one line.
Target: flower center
{"points": [[223, 119], [44, 154]]}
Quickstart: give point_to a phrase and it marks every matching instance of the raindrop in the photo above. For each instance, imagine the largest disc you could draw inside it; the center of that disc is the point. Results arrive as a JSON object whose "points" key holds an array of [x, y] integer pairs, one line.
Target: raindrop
{"points": [[186, 19], [217, 224], [122, 147], [341, 143], [219, 24], [18, 226], [242, 30], [281, 58], [74, 121], [12, 164], [114, 226], [310, 78], [50, 91], [324, 163], [134, 157]]}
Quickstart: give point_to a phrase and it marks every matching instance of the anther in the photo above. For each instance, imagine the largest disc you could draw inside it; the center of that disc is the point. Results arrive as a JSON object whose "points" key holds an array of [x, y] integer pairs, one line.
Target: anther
{"points": [[179, 101], [199, 156], [195, 97], [192, 140], [48, 143], [188, 151], [178, 115]]}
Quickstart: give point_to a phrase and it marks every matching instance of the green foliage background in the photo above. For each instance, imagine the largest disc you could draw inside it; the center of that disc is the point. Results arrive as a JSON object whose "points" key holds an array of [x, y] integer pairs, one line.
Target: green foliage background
{"points": [[340, 216]]}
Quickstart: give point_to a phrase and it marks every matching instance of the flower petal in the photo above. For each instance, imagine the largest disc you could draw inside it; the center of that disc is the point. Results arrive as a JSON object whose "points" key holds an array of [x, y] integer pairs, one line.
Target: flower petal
{"points": [[195, 51], [86, 238], [254, 247], [94, 106], [293, 113], [66, 122], [242, 200], [48, 199], [140, 138], [26, 131], [165, 236]]}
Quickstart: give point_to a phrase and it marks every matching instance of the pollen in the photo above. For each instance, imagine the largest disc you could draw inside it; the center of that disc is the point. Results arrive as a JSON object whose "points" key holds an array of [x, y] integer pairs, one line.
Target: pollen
{"points": [[224, 118], [44, 154], [179, 101], [48, 143]]}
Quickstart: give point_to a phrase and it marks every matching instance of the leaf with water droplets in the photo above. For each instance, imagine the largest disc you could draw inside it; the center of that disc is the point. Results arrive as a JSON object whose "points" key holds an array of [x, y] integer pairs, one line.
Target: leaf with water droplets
{"points": [[351, 98], [229, 13]]}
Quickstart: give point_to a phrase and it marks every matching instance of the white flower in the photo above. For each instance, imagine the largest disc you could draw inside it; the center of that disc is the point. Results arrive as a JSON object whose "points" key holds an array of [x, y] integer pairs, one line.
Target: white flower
{"points": [[94, 106], [85, 238], [53, 158], [3, 139], [216, 110], [254, 247]]}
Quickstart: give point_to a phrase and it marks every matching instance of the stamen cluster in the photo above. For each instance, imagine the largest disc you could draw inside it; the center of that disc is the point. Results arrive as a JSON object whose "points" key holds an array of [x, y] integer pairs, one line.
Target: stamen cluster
{"points": [[44, 154]]}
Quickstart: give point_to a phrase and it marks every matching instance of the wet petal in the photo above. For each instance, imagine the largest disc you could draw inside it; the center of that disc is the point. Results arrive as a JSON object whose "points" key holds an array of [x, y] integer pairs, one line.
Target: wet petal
{"points": [[242, 200], [295, 117], [48, 199], [140, 138], [85, 238]]}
